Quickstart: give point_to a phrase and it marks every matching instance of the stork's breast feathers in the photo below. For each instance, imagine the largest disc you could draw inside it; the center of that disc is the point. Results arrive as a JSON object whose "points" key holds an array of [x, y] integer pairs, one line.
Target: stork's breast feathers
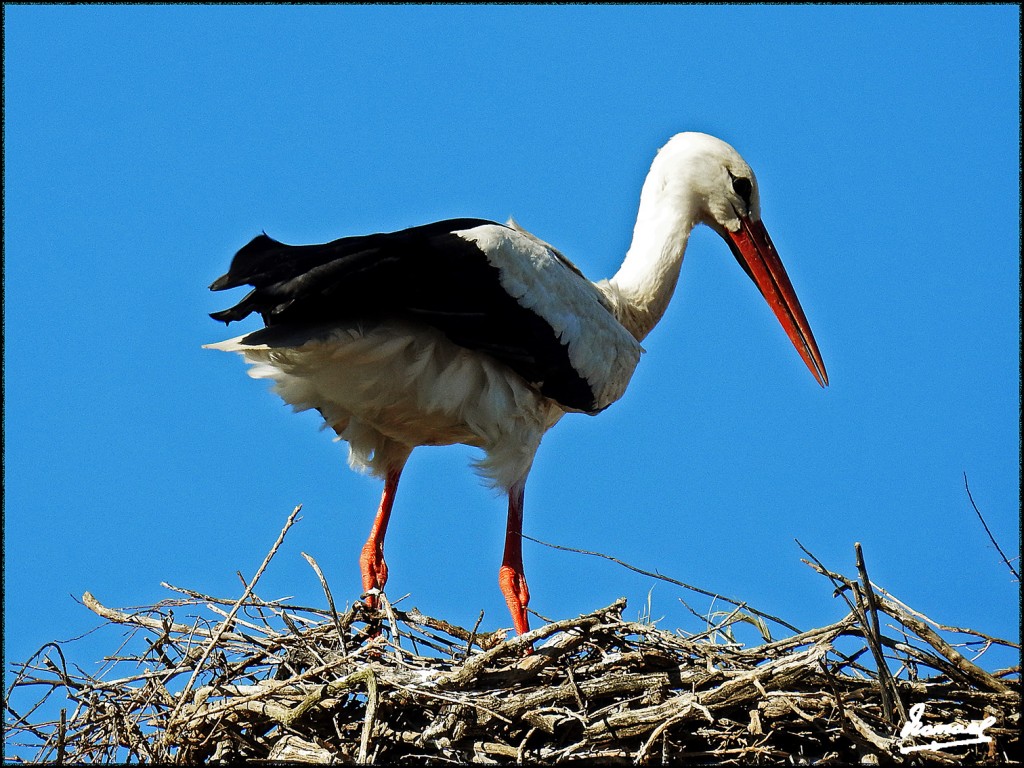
{"points": [[600, 349]]}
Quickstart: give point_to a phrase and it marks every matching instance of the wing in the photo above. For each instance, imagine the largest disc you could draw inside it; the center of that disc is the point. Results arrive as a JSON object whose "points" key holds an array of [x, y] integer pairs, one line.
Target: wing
{"points": [[487, 287]]}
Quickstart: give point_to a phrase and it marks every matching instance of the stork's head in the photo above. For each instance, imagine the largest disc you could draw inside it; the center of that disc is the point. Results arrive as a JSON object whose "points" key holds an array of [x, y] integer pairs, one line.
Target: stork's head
{"points": [[708, 178]]}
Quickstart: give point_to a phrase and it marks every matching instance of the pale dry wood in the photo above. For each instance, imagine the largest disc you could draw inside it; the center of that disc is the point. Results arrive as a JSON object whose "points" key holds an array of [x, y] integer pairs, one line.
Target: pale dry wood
{"points": [[926, 633], [294, 749], [121, 617], [313, 685], [330, 598]]}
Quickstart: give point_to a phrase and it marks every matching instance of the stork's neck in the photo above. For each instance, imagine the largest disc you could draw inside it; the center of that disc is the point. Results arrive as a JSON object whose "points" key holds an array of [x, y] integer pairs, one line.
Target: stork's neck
{"points": [[642, 288]]}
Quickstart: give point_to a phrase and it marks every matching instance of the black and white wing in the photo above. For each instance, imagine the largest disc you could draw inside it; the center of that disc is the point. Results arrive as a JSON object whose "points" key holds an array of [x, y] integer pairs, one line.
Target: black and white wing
{"points": [[488, 287]]}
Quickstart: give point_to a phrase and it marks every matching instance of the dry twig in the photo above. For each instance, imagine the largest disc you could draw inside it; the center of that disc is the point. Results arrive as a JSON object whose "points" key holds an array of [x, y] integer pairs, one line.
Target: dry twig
{"points": [[1014, 571]]}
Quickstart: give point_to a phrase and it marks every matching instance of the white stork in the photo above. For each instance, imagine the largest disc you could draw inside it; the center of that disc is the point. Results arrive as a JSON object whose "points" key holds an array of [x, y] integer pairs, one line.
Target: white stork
{"points": [[468, 331]]}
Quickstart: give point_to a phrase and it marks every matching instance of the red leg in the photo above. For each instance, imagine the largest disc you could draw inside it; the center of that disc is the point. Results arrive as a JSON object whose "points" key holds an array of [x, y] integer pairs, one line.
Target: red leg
{"points": [[371, 560], [510, 576]]}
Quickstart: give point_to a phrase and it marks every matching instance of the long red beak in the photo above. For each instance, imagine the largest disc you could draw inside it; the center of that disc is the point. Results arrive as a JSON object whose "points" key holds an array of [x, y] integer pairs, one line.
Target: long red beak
{"points": [[755, 252]]}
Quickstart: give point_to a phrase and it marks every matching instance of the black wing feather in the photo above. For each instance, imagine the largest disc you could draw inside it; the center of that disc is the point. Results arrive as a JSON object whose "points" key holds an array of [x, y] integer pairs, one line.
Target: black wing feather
{"points": [[423, 273]]}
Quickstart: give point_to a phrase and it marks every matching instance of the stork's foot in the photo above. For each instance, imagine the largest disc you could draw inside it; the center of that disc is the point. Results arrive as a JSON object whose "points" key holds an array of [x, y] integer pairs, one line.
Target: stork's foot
{"points": [[374, 571], [371, 599], [517, 596]]}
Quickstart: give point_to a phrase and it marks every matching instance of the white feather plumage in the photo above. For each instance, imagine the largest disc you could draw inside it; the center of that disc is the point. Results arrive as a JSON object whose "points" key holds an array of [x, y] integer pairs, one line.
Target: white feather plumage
{"points": [[600, 349], [388, 387]]}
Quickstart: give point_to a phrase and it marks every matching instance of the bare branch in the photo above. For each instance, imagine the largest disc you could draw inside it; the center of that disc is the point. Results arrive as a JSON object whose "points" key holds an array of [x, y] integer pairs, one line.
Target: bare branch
{"points": [[1014, 571], [669, 579]]}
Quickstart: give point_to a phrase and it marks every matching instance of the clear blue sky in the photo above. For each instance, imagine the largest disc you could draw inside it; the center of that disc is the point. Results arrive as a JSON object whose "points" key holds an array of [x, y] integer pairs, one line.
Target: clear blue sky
{"points": [[144, 145]]}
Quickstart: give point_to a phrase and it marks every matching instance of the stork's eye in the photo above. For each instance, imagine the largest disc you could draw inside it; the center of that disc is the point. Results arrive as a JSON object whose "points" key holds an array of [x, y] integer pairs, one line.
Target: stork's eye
{"points": [[742, 186]]}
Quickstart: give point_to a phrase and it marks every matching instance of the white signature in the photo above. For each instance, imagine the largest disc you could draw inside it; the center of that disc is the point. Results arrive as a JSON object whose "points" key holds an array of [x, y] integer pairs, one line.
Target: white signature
{"points": [[914, 728]]}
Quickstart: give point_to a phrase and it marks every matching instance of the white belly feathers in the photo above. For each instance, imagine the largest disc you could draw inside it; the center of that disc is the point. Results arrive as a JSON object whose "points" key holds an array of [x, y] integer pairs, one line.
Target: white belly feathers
{"points": [[388, 387]]}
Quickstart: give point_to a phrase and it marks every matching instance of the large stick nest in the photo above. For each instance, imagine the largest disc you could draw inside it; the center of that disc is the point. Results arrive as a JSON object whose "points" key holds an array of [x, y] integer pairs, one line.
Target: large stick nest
{"points": [[258, 680]]}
